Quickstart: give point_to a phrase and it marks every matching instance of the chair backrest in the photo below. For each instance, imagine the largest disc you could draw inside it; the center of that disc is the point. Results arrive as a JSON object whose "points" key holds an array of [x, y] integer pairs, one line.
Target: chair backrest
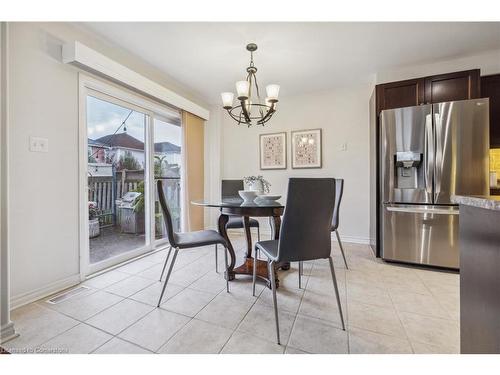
{"points": [[166, 215], [230, 188], [339, 190], [306, 229]]}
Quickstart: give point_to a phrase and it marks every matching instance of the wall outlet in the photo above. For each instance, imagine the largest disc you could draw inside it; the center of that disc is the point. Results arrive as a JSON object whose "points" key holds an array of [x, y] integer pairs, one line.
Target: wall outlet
{"points": [[38, 144], [343, 146]]}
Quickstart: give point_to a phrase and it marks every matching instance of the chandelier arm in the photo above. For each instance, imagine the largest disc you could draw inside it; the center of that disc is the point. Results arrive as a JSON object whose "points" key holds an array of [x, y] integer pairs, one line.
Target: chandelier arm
{"points": [[245, 112], [268, 114]]}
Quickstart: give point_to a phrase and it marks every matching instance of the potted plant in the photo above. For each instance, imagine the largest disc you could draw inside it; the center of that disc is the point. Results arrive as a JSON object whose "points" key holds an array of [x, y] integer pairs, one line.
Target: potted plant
{"points": [[94, 228], [257, 183]]}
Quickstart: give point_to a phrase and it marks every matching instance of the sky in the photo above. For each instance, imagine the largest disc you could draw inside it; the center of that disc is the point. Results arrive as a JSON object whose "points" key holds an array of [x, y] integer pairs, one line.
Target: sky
{"points": [[103, 118]]}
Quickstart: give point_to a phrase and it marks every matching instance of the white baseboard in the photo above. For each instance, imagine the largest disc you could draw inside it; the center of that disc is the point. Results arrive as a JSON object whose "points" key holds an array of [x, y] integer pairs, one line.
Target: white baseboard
{"points": [[7, 333], [265, 232], [35, 295]]}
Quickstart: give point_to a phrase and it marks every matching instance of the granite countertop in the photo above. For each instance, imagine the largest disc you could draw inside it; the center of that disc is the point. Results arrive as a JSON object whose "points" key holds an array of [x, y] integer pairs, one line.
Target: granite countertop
{"points": [[489, 202]]}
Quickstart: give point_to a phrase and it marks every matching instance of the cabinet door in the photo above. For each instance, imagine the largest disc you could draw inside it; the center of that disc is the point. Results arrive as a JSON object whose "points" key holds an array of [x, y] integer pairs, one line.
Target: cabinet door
{"points": [[452, 86], [400, 94], [490, 88]]}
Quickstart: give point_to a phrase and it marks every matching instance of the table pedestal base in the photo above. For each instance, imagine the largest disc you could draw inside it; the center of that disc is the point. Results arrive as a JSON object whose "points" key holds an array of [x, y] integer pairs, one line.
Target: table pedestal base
{"points": [[262, 273]]}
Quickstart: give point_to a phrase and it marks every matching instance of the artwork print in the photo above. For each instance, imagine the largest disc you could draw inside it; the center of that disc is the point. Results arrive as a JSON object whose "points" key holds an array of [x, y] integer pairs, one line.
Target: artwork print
{"points": [[306, 148], [273, 151]]}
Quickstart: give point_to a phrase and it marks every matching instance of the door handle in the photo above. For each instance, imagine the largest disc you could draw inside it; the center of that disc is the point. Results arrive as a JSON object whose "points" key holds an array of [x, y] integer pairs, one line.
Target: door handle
{"points": [[428, 154], [421, 210]]}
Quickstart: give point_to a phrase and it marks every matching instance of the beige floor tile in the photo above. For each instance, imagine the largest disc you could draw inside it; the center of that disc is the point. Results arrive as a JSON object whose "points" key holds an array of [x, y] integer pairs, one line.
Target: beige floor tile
{"points": [[244, 343], [137, 266], [224, 311], [323, 307], [158, 256], [417, 303], [439, 332], [212, 283], [120, 316], [316, 336], [188, 302], [366, 342], [129, 286], [368, 294], [151, 294], [106, 279], [375, 318], [451, 303], [287, 298], [290, 350], [118, 346], [241, 289], [153, 273], [420, 348], [82, 339], [36, 325], [154, 329], [197, 337], [260, 322], [82, 308]]}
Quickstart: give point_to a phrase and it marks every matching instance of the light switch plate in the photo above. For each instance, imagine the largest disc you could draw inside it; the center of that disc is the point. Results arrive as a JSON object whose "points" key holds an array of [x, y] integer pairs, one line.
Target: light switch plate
{"points": [[343, 147], [38, 144]]}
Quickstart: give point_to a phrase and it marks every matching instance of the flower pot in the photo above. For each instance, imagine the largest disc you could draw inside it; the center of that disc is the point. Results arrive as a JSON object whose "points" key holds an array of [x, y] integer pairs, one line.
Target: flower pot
{"points": [[94, 229], [256, 186]]}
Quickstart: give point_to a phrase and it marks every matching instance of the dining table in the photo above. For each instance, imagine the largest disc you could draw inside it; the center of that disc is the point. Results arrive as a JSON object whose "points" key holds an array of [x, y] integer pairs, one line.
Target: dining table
{"points": [[258, 208]]}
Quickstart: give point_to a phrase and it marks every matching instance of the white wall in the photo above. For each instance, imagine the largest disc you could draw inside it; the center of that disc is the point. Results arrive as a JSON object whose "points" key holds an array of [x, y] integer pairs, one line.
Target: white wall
{"points": [[343, 116], [44, 217], [488, 62]]}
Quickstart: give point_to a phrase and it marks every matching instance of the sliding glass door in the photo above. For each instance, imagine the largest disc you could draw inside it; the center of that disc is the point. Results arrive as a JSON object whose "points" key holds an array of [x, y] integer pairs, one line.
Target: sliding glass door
{"points": [[127, 148]]}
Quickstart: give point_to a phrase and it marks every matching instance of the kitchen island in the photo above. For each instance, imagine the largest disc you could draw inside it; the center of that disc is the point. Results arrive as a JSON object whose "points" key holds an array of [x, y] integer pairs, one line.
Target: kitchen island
{"points": [[479, 242]]}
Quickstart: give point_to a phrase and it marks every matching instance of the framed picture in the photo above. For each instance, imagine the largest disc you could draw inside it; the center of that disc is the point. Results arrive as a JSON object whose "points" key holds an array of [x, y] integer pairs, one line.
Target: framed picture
{"points": [[306, 148], [273, 151]]}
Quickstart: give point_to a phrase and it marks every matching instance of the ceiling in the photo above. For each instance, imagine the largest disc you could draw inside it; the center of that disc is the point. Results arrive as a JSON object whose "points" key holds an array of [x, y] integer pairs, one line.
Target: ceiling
{"points": [[208, 58]]}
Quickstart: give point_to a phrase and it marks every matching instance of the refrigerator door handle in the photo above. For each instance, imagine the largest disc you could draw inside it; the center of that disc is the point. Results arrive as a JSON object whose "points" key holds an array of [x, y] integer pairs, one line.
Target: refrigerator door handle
{"points": [[424, 210], [428, 154], [438, 160]]}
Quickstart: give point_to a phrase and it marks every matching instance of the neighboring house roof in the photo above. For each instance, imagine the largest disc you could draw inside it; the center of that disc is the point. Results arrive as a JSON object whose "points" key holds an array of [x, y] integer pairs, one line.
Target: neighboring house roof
{"points": [[167, 147], [94, 143], [121, 140]]}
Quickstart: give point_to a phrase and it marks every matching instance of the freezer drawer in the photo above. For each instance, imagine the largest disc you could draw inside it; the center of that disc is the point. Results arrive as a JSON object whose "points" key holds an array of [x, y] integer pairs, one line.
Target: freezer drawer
{"points": [[421, 234]]}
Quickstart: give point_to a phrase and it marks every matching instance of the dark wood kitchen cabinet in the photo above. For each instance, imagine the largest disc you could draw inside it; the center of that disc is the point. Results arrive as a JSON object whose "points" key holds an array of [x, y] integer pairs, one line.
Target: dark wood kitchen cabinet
{"points": [[453, 86], [400, 94], [490, 88]]}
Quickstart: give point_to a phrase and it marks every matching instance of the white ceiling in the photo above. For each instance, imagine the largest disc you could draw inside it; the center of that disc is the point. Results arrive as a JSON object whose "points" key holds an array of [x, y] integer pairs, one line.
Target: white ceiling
{"points": [[208, 58]]}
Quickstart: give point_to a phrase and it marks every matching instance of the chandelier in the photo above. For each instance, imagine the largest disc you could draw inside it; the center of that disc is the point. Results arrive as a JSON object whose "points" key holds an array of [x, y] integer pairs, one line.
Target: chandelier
{"points": [[251, 109]]}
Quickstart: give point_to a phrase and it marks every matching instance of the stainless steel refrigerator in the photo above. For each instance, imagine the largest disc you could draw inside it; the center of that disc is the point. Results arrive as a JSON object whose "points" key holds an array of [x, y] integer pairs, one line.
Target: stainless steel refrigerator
{"points": [[428, 153]]}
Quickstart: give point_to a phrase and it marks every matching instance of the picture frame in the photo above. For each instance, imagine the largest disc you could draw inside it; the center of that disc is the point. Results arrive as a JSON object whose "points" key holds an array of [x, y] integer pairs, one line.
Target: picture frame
{"points": [[306, 148], [272, 151]]}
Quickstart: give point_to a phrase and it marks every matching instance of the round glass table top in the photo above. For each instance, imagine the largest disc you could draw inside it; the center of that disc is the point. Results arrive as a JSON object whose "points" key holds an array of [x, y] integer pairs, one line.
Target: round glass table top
{"points": [[236, 203]]}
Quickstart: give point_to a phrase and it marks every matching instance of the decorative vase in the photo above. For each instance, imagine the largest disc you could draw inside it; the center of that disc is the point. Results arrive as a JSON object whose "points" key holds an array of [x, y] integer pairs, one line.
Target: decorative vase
{"points": [[256, 186], [94, 229]]}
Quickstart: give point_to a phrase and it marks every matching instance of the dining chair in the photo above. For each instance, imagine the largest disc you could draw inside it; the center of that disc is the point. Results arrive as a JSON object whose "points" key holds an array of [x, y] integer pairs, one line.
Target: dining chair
{"points": [[339, 190], [305, 232], [230, 190], [186, 240]]}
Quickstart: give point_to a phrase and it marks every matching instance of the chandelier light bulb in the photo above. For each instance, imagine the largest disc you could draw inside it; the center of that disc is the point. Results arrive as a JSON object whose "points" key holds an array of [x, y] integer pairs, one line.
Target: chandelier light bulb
{"points": [[272, 92], [242, 88], [227, 99]]}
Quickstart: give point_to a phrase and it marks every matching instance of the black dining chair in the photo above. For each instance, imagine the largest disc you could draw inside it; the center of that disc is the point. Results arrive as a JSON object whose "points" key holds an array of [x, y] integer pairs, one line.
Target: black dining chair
{"points": [[305, 232], [230, 190], [339, 190], [186, 240]]}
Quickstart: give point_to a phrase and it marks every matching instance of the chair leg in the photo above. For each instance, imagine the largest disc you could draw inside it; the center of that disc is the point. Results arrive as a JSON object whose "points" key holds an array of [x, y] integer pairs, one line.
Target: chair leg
{"points": [[258, 233], [254, 275], [216, 260], [341, 248], [166, 261], [300, 274], [272, 276], [168, 276], [334, 279], [227, 268]]}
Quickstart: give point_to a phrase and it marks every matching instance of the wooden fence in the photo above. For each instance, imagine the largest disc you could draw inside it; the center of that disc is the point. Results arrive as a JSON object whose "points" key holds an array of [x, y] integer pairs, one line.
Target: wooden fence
{"points": [[105, 190]]}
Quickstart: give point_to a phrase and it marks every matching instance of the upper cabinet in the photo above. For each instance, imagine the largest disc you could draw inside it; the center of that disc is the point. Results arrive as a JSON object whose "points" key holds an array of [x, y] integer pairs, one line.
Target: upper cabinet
{"points": [[490, 88], [400, 94], [453, 86], [428, 90]]}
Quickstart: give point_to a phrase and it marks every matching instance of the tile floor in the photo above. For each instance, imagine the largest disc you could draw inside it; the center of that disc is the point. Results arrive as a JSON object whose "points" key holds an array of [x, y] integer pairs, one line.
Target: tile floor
{"points": [[388, 309]]}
